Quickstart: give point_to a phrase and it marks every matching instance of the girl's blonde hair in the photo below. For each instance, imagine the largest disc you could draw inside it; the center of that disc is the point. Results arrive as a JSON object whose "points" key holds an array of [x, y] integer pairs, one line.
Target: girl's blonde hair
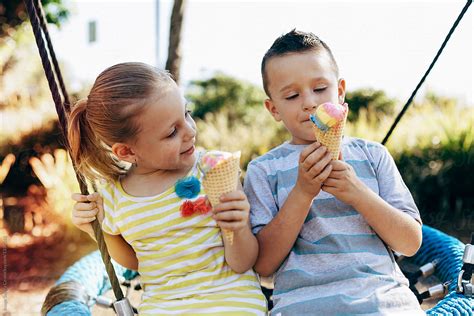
{"points": [[106, 116]]}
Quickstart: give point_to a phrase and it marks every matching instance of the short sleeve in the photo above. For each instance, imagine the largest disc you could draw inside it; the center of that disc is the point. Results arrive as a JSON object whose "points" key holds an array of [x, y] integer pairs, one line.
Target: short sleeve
{"points": [[263, 207], [108, 225], [392, 188]]}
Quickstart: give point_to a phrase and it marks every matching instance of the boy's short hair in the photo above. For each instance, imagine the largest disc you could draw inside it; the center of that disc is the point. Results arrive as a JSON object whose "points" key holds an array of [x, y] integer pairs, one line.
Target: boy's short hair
{"points": [[294, 42]]}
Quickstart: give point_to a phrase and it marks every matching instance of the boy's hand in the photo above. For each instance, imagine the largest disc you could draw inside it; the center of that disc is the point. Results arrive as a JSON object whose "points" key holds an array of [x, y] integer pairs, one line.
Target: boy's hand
{"points": [[344, 184], [232, 213], [313, 169], [84, 212]]}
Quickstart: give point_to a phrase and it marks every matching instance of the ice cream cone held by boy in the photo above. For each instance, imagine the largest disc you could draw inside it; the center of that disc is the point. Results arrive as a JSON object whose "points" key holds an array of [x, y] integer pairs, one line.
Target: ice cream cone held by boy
{"points": [[329, 120]]}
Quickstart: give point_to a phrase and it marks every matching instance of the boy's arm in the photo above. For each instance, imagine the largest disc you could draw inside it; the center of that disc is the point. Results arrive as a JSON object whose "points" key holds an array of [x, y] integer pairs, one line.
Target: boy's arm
{"points": [[397, 229], [278, 237], [281, 228], [392, 214]]}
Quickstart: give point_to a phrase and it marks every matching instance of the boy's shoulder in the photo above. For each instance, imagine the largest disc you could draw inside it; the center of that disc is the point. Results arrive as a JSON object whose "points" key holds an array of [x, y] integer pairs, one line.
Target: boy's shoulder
{"points": [[357, 146], [361, 143]]}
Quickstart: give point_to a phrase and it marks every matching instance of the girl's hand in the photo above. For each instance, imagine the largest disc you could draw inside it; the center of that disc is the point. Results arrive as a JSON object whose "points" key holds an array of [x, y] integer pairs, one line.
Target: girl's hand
{"points": [[233, 212], [344, 184], [313, 169], [86, 210]]}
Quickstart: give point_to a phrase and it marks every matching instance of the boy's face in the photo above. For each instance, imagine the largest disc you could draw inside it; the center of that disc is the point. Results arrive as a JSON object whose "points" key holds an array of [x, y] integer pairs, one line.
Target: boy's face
{"points": [[298, 83]]}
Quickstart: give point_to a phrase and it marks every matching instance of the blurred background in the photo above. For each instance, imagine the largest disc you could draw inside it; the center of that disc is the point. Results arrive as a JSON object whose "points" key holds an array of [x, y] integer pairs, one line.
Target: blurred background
{"points": [[215, 49]]}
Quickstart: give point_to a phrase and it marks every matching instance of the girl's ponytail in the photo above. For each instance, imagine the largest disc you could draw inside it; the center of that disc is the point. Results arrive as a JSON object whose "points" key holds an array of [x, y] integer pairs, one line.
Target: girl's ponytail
{"points": [[92, 157]]}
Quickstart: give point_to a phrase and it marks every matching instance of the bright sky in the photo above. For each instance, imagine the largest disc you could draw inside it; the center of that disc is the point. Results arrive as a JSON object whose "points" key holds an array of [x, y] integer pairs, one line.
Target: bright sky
{"points": [[382, 44]]}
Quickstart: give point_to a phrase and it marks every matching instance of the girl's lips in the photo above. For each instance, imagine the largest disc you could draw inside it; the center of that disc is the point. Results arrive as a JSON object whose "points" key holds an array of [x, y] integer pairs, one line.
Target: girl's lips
{"points": [[190, 151]]}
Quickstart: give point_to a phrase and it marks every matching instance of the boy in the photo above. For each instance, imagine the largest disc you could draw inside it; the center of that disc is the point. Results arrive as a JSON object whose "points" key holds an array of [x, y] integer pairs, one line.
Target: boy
{"points": [[326, 229]]}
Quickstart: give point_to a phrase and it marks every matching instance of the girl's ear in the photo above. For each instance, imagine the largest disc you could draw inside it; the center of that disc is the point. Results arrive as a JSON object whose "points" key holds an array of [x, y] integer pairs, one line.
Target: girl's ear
{"points": [[124, 152], [341, 90], [272, 109]]}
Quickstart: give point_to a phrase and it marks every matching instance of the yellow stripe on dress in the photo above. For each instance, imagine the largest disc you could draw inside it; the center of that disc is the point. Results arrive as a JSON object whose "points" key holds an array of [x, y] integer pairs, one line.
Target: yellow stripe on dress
{"points": [[162, 226]]}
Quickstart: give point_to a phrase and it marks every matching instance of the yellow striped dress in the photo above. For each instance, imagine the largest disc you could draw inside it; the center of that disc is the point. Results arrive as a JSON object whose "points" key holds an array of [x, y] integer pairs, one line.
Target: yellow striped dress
{"points": [[181, 259]]}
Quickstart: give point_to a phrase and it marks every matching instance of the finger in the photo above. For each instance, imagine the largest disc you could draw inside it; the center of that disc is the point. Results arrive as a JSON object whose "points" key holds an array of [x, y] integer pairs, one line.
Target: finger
{"points": [[85, 214], [314, 157], [85, 206], [338, 165], [308, 150], [231, 205], [329, 182], [78, 197], [320, 165], [100, 202], [340, 156], [81, 221], [228, 216], [324, 174], [336, 174], [94, 197], [330, 190], [236, 195], [232, 226]]}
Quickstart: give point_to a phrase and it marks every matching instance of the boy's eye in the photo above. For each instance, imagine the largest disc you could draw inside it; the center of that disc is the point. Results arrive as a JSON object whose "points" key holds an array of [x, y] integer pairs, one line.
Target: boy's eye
{"points": [[319, 89], [291, 97], [188, 113]]}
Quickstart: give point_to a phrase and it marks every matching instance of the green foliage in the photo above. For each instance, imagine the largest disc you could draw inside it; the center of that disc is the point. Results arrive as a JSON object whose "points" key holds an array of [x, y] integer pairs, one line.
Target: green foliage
{"points": [[13, 14], [223, 92], [253, 135], [373, 101], [440, 178]]}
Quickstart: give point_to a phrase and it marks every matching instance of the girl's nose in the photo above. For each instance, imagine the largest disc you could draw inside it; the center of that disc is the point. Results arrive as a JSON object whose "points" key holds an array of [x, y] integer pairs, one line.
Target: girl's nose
{"points": [[190, 129]]}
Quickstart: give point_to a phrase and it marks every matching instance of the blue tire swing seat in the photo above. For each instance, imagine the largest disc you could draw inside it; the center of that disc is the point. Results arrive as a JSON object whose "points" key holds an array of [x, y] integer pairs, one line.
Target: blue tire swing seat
{"points": [[437, 246], [89, 278]]}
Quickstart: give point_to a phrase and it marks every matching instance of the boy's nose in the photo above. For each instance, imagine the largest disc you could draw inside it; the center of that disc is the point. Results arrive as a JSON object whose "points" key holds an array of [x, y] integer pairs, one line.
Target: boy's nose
{"points": [[309, 104]]}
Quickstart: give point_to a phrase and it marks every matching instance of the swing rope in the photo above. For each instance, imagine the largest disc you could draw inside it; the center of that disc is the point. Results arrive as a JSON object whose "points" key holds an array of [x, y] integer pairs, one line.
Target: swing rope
{"points": [[38, 24], [440, 50]]}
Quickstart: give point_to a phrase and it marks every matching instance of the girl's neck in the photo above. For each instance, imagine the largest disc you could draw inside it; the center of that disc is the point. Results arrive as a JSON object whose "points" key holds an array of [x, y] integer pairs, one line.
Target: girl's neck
{"points": [[150, 183]]}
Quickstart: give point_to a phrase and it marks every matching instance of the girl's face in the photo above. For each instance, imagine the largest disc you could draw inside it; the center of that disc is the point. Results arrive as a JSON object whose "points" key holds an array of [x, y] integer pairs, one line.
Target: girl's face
{"points": [[167, 133]]}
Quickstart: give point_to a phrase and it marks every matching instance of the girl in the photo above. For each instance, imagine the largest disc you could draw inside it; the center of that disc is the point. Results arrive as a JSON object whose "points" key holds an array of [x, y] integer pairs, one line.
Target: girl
{"points": [[137, 115]]}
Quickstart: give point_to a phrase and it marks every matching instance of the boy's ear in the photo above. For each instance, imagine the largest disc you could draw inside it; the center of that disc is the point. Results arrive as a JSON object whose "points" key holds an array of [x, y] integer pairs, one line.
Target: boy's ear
{"points": [[272, 109], [124, 152], [341, 90]]}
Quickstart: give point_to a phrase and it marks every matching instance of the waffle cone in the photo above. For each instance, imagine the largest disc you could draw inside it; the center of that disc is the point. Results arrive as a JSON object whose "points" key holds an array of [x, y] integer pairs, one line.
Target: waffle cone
{"points": [[332, 137], [221, 179]]}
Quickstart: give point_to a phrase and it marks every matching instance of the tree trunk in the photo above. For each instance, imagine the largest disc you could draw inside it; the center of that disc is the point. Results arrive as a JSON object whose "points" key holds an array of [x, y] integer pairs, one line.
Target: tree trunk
{"points": [[173, 64]]}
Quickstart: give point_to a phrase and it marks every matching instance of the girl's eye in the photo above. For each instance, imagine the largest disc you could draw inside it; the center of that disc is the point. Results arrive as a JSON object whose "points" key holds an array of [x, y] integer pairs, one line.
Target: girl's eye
{"points": [[173, 133], [291, 97], [188, 113], [319, 89]]}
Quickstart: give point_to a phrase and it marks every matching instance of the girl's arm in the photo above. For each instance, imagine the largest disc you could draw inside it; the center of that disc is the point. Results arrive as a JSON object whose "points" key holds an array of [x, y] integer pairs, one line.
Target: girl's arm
{"points": [[85, 211], [121, 251], [233, 214]]}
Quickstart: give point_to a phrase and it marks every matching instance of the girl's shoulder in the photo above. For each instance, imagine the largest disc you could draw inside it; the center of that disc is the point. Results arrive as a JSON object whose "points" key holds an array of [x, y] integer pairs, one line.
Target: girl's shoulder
{"points": [[108, 189]]}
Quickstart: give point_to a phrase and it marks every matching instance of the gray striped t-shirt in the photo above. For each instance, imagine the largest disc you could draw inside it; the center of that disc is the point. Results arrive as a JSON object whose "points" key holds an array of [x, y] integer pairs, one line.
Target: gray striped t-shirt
{"points": [[338, 265]]}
